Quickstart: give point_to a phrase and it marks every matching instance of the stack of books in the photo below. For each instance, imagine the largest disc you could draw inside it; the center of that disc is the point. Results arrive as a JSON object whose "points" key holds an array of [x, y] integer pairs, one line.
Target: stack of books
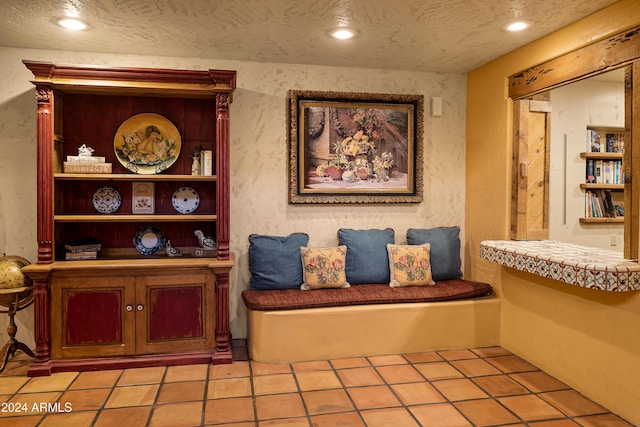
{"points": [[82, 249], [86, 164]]}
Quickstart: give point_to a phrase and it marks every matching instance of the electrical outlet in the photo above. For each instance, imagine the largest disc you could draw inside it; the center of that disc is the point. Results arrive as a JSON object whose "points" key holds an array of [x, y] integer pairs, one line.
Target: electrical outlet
{"points": [[614, 239]]}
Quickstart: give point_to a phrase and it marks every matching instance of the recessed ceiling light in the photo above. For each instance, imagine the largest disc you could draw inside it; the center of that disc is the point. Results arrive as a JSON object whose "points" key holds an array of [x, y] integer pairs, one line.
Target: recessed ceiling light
{"points": [[518, 26], [342, 33], [72, 24]]}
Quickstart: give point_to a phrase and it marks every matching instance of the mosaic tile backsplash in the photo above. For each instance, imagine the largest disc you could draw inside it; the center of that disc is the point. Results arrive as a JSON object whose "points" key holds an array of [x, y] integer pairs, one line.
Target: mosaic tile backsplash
{"points": [[573, 264]]}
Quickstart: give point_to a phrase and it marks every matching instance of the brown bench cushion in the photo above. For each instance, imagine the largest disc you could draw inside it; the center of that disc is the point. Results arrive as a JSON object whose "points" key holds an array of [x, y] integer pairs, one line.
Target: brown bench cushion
{"points": [[291, 299]]}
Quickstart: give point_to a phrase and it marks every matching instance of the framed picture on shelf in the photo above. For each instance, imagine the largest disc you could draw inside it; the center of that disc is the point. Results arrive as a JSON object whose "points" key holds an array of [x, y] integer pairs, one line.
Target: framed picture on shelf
{"points": [[142, 195], [355, 147]]}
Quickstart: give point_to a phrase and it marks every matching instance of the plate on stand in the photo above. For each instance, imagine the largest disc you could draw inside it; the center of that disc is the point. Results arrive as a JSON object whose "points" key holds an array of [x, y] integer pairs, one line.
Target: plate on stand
{"points": [[185, 200], [149, 240]]}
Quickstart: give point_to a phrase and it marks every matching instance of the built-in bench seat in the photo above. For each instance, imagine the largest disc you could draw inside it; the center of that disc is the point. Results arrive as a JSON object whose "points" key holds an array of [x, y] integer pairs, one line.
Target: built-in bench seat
{"points": [[291, 325]]}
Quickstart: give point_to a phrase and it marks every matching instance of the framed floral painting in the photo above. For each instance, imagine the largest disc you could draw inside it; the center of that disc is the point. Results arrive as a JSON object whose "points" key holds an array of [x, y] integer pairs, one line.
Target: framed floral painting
{"points": [[355, 147]]}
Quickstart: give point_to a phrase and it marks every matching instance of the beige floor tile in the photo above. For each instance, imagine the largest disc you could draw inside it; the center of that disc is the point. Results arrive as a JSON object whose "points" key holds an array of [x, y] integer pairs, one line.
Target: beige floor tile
{"points": [[54, 382], [417, 393], [231, 387], [11, 385], [500, 385], [530, 407], [457, 354], [359, 377], [572, 403], [287, 422], [485, 412], [608, 420], [398, 417], [426, 357], [139, 395], [138, 376], [231, 370], [347, 419], [438, 371], [134, 416], [556, 423], [373, 397], [237, 409], [352, 362], [186, 373], [439, 415], [177, 415], [182, 392], [322, 365], [397, 374], [511, 364], [85, 400], [23, 421], [327, 401], [317, 380], [475, 367], [269, 368], [279, 406], [392, 359], [539, 381], [459, 389], [271, 384], [96, 379], [70, 419], [491, 351]]}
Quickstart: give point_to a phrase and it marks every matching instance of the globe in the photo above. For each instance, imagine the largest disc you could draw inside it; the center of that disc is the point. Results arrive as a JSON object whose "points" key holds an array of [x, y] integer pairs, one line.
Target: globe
{"points": [[11, 275]]}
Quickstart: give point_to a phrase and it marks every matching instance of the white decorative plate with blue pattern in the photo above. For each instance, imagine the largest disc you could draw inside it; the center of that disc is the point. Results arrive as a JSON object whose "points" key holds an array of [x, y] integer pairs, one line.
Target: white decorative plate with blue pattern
{"points": [[185, 200], [149, 239], [106, 200]]}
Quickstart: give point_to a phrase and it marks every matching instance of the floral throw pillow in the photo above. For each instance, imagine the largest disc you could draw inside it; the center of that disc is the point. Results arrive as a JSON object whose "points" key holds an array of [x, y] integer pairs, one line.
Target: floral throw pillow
{"points": [[324, 268], [410, 265]]}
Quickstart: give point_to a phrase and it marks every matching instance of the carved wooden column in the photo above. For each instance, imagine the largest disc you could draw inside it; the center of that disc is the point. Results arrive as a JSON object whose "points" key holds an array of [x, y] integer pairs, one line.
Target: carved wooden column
{"points": [[222, 173], [223, 342], [44, 96]]}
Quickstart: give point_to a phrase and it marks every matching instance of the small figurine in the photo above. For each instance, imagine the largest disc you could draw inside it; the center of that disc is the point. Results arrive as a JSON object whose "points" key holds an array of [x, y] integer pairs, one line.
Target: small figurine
{"points": [[206, 242], [85, 151], [195, 165], [171, 251]]}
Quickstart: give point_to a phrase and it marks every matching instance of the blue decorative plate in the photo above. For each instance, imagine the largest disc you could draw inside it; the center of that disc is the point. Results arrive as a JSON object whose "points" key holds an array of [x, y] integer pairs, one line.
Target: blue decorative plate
{"points": [[149, 240], [185, 200], [106, 200]]}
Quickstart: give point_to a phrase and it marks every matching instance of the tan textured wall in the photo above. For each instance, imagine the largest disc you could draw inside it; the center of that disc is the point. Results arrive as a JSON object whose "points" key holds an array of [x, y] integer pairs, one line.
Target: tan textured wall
{"points": [[259, 179], [589, 339]]}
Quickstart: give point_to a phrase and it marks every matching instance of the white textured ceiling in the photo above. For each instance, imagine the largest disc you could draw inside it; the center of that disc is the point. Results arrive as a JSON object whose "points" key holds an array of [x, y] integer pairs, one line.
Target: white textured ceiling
{"points": [[453, 36]]}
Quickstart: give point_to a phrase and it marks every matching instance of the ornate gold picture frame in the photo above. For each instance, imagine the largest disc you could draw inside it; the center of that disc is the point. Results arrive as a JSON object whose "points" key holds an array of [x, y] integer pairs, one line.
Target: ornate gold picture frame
{"points": [[355, 147]]}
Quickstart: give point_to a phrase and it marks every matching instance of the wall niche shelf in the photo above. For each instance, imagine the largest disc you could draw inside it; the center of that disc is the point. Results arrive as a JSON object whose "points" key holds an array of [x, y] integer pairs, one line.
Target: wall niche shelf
{"points": [[128, 308]]}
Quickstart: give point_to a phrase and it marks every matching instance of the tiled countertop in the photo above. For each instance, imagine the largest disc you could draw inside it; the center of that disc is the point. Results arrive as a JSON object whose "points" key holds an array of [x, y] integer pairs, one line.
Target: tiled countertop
{"points": [[573, 264]]}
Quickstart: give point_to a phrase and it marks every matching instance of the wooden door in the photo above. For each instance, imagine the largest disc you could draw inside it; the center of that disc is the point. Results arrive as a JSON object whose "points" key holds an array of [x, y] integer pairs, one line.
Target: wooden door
{"points": [[530, 200], [175, 313], [94, 316]]}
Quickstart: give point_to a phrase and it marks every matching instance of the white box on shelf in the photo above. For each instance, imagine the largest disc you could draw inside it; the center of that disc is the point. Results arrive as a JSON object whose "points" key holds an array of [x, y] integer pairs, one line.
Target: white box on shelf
{"points": [[142, 195], [206, 162]]}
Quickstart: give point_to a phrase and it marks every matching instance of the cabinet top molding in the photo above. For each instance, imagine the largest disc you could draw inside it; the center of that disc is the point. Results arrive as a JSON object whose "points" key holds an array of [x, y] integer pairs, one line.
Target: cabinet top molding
{"points": [[152, 81]]}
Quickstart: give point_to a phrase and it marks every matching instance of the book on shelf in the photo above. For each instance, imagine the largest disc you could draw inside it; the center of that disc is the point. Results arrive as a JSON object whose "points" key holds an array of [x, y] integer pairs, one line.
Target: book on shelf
{"points": [[615, 142], [80, 159], [86, 167], [604, 142], [594, 141], [206, 162], [81, 255], [83, 245], [599, 204]]}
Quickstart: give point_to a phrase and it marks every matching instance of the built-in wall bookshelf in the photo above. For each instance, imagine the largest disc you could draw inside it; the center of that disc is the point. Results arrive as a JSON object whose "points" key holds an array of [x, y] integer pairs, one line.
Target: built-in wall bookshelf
{"points": [[604, 175]]}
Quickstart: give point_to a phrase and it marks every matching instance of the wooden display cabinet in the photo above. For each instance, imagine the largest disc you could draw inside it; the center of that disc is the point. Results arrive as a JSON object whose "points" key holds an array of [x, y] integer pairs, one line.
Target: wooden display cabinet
{"points": [[126, 309]]}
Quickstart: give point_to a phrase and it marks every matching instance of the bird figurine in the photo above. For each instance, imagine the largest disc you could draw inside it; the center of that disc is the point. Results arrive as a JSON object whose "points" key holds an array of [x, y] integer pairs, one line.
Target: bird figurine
{"points": [[205, 242], [171, 251]]}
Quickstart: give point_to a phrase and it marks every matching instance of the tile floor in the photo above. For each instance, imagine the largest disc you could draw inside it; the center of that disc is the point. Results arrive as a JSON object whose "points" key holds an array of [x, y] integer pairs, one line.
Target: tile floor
{"points": [[476, 387]]}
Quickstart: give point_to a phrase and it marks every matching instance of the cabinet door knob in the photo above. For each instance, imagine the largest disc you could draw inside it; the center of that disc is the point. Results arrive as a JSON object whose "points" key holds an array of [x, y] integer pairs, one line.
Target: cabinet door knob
{"points": [[129, 307], [140, 307]]}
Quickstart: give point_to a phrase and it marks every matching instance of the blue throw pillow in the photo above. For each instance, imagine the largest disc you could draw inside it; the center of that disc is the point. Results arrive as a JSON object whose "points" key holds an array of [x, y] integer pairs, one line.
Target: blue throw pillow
{"points": [[274, 261], [367, 258], [445, 250]]}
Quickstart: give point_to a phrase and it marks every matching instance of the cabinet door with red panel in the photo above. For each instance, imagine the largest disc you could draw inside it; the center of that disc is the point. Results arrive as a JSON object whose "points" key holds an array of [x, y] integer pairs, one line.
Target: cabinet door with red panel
{"points": [[97, 316], [175, 312]]}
